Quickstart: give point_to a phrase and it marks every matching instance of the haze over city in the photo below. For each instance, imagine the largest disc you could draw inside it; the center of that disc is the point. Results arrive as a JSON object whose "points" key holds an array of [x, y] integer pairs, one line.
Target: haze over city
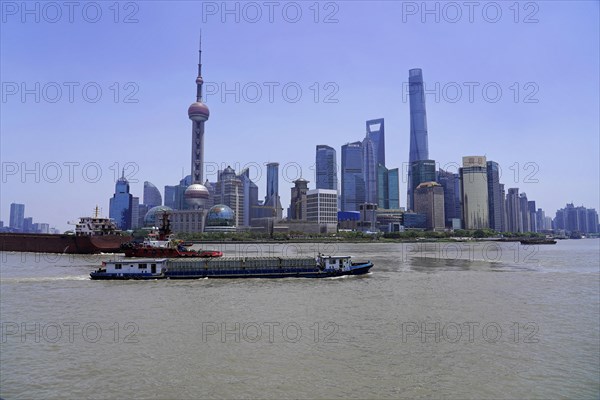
{"points": [[537, 116]]}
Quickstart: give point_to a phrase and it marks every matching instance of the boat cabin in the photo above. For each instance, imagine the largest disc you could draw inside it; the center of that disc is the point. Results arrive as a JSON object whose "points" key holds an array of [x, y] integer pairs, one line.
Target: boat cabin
{"points": [[336, 263], [138, 266]]}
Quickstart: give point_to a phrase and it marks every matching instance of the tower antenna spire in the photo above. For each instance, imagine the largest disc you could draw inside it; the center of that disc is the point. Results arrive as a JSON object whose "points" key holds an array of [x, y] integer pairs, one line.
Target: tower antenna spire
{"points": [[199, 80]]}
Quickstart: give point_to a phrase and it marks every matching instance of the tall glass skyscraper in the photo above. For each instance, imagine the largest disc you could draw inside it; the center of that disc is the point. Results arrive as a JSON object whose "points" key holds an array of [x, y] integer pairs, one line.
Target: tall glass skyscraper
{"points": [[272, 198], [495, 199], [121, 204], [326, 168], [353, 183], [17, 216], [369, 170], [152, 197], [419, 148], [376, 132]]}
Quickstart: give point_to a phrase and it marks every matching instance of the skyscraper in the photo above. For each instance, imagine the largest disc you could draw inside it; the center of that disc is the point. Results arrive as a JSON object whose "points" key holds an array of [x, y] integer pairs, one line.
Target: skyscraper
{"points": [[326, 168], [376, 132], [250, 190], [474, 190], [353, 183], [17, 215], [272, 198], [514, 222], [121, 204], [393, 188], [451, 183], [152, 197], [496, 202], [419, 148], [369, 160], [196, 194], [383, 187], [524, 208]]}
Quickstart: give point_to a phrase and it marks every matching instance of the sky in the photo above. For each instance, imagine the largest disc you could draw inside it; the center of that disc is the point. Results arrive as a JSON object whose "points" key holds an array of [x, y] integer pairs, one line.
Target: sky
{"points": [[91, 89]]}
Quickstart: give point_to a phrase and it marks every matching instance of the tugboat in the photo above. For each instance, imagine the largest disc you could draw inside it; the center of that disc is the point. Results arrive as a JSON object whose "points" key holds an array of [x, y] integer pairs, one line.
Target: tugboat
{"points": [[232, 267], [162, 244]]}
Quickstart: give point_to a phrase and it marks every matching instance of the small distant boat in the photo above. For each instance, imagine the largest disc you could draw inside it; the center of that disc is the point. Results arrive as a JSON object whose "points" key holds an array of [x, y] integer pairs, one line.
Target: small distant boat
{"points": [[537, 241]]}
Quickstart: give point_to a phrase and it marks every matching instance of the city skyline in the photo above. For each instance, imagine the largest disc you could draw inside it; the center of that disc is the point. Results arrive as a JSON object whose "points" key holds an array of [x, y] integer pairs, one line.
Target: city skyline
{"points": [[527, 140]]}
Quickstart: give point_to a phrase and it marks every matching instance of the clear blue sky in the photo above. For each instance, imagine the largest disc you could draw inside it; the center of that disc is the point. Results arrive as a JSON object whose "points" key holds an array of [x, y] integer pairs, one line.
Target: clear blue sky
{"points": [[551, 54]]}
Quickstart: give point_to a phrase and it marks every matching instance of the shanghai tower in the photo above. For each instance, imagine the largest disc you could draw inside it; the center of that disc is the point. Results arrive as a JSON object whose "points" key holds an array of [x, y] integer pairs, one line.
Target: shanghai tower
{"points": [[419, 149]]}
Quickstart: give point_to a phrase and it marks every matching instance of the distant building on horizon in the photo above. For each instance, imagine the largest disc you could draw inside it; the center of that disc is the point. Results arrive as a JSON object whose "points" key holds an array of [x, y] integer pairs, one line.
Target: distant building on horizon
{"points": [[326, 168], [514, 222], [17, 216], [229, 192], [452, 204], [376, 132], [419, 146]]}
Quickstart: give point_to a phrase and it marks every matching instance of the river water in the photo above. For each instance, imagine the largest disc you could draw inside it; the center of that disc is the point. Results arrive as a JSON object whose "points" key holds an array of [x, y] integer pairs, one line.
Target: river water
{"points": [[441, 320]]}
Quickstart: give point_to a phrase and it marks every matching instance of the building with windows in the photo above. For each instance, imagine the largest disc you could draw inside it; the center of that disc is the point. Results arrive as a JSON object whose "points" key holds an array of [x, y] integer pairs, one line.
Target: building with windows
{"points": [[152, 197], [321, 208], [353, 182], [474, 192], [420, 171], [17, 216], [524, 208], [376, 132], [514, 221], [326, 168], [429, 200], [272, 199], [120, 206], [369, 168], [452, 207], [297, 210], [419, 146], [495, 199], [229, 191]]}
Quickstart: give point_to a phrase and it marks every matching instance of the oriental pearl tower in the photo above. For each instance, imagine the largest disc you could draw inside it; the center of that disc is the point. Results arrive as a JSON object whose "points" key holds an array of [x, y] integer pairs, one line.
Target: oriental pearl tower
{"points": [[196, 194]]}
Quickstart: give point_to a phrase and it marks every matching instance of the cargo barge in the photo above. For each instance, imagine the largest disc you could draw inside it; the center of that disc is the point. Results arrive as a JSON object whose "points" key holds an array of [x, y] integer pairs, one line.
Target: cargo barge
{"points": [[92, 235], [231, 268]]}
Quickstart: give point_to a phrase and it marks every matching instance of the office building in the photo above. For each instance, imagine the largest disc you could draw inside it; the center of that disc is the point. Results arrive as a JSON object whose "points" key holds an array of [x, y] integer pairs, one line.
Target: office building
{"points": [[321, 208], [450, 182], [353, 183], [474, 192], [376, 132], [495, 199], [429, 200], [272, 199], [326, 168], [17, 216], [120, 206], [297, 210], [152, 197], [420, 171], [514, 221], [229, 191], [369, 168]]}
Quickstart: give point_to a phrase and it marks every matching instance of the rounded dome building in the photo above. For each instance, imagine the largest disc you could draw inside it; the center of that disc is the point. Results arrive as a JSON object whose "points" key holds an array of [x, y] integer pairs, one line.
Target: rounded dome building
{"points": [[220, 218], [150, 219]]}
